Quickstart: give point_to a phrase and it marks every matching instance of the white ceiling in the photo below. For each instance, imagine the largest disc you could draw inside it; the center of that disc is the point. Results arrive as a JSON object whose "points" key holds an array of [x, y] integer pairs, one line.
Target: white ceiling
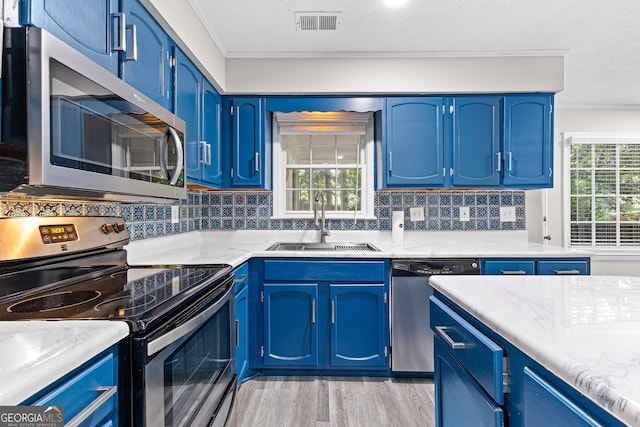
{"points": [[600, 40]]}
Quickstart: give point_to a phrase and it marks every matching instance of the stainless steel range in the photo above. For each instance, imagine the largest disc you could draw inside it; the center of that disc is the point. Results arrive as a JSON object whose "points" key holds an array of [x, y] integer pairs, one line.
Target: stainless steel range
{"points": [[181, 351]]}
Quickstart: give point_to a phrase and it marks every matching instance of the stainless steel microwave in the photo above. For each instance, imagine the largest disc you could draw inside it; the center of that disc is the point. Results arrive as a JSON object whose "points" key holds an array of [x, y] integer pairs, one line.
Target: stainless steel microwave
{"points": [[70, 128]]}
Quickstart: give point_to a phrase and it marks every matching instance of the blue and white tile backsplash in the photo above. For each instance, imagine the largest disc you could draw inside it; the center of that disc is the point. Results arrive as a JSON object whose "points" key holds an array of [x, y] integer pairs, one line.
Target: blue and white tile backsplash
{"points": [[251, 210]]}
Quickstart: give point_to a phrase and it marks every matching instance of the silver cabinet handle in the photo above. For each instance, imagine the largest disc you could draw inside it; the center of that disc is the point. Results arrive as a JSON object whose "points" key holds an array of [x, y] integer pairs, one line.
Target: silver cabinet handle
{"points": [[242, 278], [105, 394], [510, 161], [257, 161], [120, 39], [442, 331], [390, 161], [203, 152], [333, 312], [566, 272], [208, 154], [499, 156], [134, 43], [513, 272], [313, 311]]}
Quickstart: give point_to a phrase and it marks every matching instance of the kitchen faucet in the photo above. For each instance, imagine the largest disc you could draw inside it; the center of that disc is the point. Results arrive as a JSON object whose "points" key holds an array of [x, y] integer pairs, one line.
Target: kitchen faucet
{"points": [[323, 231]]}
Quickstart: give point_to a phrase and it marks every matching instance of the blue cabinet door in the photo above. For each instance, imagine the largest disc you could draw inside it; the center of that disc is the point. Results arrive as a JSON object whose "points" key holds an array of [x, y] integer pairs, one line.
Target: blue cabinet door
{"points": [[248, 142], [413, 149], [146, 62], [290, 327], [528, 140], [92, 27], [242, 333], [358, 325], [544, 405], [187, 106], [476, 141], [509, 267], [459, 401], [211, 139]]}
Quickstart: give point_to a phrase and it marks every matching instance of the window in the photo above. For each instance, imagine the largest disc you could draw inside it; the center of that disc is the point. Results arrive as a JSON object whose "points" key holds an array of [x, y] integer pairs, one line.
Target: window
{"points": [[323, 153], [603, 197]]}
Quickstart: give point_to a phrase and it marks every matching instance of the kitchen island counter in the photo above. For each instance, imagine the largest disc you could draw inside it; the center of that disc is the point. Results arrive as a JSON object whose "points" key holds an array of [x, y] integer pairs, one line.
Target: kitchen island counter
{"points": [[583, 329], [35, 354]]}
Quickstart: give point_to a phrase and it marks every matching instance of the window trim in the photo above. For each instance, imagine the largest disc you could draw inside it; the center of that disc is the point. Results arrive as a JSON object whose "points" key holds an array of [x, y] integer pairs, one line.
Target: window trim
{"points": [[367, 188], [590, 137]]}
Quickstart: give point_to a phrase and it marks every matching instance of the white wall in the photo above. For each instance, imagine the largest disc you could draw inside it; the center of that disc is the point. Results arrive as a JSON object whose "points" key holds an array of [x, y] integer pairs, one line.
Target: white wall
{"points": [[579, 120]]}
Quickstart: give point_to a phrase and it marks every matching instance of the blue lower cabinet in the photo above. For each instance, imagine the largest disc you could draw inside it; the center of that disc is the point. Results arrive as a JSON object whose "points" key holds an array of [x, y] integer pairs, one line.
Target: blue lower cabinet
{"points": [[544, 405], [290, 327], [459, 401], [358, 336], [93, 384]]}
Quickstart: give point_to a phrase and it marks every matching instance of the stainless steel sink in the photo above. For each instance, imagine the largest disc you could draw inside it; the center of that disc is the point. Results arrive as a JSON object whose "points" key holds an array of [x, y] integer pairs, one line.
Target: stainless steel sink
{"points": [[329, 246]]}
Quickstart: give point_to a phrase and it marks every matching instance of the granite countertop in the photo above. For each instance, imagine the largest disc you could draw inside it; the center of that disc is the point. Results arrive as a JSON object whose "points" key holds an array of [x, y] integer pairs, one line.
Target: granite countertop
{"points": [[35, 354], [584, 329], [235, 247]]}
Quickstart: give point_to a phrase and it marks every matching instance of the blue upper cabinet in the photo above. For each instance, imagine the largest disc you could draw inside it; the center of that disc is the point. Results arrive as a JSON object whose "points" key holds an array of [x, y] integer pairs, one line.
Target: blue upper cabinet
{"points": [[95, 28], [187, 106], [413, 143], [199, 105], [248, 142], [146, 60], [476, 141], [528, 140], [211, 138]]}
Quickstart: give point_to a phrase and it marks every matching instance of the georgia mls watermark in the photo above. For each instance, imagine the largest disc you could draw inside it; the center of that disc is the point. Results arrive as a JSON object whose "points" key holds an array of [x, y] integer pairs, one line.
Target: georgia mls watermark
{"points": [[31, 416]]}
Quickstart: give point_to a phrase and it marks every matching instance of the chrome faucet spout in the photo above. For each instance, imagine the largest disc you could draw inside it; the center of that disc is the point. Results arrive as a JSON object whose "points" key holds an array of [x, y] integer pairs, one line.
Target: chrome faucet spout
{"points": [[320, 222]]}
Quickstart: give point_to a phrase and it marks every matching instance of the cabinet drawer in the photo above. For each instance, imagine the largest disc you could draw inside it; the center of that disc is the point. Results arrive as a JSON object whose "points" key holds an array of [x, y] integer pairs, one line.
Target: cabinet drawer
{"points": [[563, 267], [508, 267], [480, 356], [79, 390], [353, 271]]}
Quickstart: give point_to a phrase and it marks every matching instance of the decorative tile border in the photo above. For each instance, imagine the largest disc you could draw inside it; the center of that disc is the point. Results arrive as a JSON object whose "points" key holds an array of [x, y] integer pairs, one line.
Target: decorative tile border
{"points": [[251, 210]]}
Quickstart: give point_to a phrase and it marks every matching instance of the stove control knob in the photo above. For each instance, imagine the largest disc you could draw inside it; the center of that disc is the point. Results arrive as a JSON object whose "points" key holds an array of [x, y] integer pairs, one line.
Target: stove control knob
{"points": [[106, 228]]}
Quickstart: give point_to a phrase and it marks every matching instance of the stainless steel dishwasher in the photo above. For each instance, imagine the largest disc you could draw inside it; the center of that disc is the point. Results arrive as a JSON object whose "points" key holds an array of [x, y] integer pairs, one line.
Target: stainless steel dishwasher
{"points": [[411, 336]]}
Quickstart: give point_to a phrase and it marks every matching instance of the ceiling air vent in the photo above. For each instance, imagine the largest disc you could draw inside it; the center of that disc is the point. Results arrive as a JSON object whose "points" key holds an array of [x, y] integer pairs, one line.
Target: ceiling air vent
{"points": [[315, 21]]}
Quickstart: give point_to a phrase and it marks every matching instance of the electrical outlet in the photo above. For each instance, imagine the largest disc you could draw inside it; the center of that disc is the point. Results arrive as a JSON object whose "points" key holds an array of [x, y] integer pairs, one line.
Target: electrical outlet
{"points": [[175, 214], [464, 213], [416, 214], [507, 214]]}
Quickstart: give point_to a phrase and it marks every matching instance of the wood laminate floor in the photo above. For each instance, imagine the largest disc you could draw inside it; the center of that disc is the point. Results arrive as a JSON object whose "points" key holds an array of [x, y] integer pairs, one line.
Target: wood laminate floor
{"points": [[335, 402]]}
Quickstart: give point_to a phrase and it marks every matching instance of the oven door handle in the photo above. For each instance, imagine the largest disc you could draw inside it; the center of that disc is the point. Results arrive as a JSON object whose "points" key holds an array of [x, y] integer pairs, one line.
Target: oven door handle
{"points": [[186, 328]]}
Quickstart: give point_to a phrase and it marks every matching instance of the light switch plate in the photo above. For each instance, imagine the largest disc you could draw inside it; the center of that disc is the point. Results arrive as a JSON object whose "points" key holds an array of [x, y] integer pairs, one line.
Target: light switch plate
{"points": [[416, 214], [507, 214], [175, 214], [464, 213]]}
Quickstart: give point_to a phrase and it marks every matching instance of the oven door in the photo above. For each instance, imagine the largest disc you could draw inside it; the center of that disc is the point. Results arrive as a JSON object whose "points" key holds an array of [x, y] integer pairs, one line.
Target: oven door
{"points": [[189, 368]]}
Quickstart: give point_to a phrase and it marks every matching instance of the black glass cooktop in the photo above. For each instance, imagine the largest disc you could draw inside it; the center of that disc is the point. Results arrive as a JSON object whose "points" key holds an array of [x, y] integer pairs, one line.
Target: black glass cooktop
{"points": [[135, 294]]}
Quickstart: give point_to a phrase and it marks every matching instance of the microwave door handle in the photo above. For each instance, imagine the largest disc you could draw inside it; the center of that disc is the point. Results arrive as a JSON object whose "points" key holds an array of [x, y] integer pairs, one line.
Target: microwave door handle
{"points": [[163, 158]]}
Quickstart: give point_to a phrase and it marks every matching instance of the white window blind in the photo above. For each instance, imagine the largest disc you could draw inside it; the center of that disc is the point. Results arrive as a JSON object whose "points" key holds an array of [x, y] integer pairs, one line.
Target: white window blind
{"points": [[603, 190]]}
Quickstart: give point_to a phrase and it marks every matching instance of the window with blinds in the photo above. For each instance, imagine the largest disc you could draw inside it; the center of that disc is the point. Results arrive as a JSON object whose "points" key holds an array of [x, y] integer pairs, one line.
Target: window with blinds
{"points": [[604, 190], [326, 153]]}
